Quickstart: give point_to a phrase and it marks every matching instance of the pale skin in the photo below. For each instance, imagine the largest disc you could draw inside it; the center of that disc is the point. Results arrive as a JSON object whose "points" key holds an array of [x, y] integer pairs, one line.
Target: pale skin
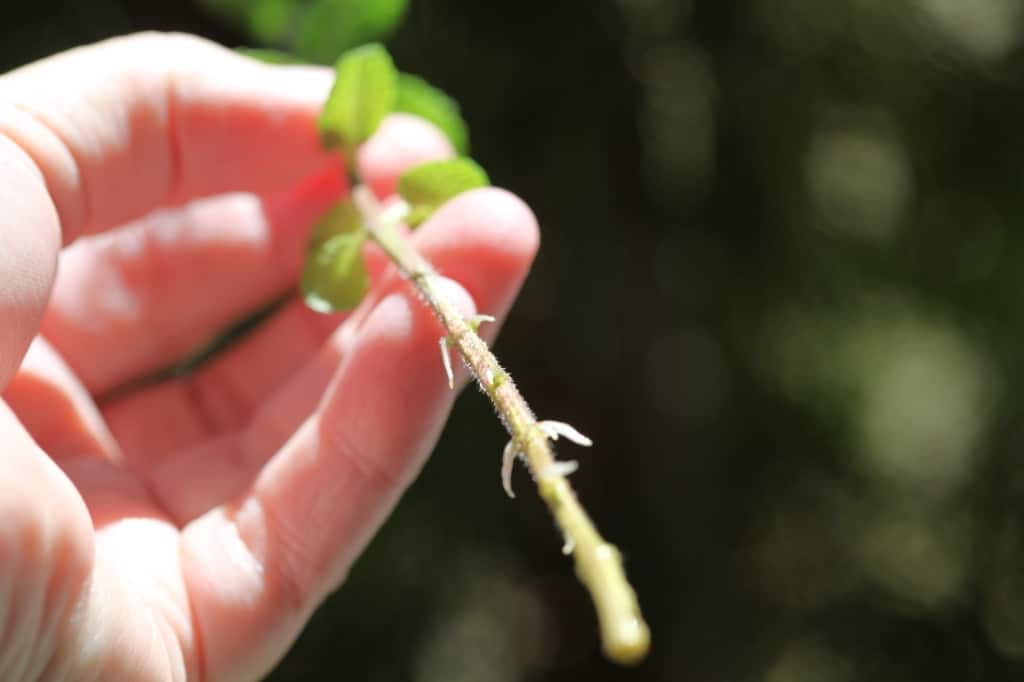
{"points": [[186, 529]]}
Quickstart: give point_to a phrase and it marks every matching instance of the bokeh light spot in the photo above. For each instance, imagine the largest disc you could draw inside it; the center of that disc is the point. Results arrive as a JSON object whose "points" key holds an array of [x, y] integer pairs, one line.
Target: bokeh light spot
{"points": [[859, 182]]}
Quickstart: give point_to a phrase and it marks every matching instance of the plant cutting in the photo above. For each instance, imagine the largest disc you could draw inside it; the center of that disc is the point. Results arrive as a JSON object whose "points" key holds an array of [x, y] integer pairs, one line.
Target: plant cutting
{"points": [[368, 87]]}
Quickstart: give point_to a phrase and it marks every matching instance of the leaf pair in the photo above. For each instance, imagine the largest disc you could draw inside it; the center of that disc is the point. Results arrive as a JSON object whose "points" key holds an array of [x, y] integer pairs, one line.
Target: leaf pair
{"points": [[367, 88]]}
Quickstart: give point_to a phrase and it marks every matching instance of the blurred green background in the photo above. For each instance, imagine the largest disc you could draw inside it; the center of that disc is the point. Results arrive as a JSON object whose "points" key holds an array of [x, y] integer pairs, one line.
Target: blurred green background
{"points": [[780, 286]]}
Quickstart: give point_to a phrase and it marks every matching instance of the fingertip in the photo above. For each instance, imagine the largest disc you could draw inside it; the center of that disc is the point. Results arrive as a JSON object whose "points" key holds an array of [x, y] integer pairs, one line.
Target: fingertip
{"points": [[402, 324], [401, 142], [393, 369], [489, 219], [510, 216], [56, 409], [455, 294], [486, 239]]}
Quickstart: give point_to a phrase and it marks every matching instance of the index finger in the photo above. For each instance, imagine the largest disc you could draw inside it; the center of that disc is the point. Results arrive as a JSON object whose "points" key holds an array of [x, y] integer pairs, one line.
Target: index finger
{"points": [[131, 124], [94, 137]]}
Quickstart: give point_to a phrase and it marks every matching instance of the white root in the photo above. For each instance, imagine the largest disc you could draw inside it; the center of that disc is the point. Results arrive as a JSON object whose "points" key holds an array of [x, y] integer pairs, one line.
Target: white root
{"points": [[553, 429], [447, 360], [508, 460], [475, 321], [568, 546], [557, 468]]}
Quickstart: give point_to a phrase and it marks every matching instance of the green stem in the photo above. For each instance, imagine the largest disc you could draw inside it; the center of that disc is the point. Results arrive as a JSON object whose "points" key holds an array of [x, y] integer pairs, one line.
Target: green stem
{"points": [[625, 637]]}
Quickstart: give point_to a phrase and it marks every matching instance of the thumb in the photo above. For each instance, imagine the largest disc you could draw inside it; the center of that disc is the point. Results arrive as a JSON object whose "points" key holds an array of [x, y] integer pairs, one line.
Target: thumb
{"points": [[29, 244]]}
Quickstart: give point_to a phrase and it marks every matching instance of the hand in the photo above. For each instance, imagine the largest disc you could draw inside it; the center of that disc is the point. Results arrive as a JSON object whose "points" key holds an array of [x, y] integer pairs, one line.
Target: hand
{"points": [[187, 528]]}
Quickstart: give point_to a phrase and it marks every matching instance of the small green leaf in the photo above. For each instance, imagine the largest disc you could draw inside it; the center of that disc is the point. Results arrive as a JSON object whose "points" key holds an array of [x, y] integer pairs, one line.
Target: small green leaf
{"points": [[365, 88], [326, 28], [342, 218], [268, 21], [335, 276], [417, 96], [429, 185]]}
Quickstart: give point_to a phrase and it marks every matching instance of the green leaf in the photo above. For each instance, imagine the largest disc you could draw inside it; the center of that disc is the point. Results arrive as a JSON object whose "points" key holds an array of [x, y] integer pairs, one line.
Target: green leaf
{"points": [[365, 88], [329, 27], [270, 56], [268, 21], [315, 30], [335, 276], [429, 185], [417, 96]]}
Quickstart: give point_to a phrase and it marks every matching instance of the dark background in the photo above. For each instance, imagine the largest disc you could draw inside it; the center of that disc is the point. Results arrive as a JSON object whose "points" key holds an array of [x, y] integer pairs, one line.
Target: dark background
{"points": [[779, 286]]}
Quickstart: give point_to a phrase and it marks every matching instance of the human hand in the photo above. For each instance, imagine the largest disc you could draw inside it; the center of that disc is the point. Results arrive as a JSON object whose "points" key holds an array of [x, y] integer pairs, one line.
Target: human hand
{"points": [[187, 528]]}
